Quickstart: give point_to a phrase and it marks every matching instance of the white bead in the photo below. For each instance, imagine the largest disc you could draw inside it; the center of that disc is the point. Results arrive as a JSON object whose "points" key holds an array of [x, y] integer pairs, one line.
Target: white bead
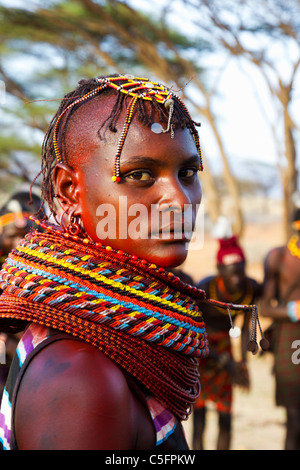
{"points": [[235, 332], [156, 128]]}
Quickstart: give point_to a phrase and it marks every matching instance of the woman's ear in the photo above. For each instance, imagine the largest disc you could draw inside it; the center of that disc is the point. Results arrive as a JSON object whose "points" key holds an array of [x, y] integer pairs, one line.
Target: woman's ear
{"points": [[66, 188]]}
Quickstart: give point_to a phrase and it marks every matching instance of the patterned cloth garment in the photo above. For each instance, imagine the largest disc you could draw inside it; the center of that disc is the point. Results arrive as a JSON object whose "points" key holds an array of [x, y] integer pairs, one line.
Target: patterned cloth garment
{"points": [[215, 382]]}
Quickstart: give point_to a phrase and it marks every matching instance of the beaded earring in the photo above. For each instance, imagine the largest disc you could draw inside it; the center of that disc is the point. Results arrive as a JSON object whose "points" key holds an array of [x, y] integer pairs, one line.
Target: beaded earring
{"points": [[136, 88]]}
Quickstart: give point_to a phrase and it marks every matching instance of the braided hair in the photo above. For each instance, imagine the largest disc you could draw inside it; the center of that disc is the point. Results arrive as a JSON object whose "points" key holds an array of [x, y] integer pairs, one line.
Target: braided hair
{"points": [[123, 87]]}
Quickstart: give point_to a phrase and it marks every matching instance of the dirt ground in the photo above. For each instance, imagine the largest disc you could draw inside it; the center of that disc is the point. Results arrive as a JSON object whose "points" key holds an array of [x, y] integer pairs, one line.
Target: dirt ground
{"points": [[257, 423]]}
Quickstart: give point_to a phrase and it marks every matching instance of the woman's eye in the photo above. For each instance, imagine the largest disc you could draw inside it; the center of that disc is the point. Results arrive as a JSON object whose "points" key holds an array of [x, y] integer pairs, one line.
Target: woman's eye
{"points": [[188, 172], [139, 176]]}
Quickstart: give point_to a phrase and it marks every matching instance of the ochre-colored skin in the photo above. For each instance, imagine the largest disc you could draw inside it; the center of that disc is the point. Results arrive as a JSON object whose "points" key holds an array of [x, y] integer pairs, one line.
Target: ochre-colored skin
{"points": [[281, 271], [281, 285], [156, 170], [72, 396], [233, 276]]}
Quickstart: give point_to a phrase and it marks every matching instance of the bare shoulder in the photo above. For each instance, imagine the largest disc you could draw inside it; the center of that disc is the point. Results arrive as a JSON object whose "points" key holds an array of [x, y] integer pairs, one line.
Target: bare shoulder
{"points": [[274, 258], [73, 397]]}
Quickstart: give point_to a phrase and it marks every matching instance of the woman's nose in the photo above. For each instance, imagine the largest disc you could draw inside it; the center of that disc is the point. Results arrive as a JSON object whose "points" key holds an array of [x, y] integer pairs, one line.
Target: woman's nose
{"points": [[173, 197]]}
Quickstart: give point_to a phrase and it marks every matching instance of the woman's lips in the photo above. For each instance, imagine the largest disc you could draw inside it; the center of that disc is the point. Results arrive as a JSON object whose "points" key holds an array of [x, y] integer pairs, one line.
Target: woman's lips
{"points": [[171, 232]]}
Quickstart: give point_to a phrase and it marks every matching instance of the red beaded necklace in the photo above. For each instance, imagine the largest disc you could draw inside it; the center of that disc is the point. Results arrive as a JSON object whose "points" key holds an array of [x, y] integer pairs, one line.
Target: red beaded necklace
{"points": [[144, 318], [176, 282]]}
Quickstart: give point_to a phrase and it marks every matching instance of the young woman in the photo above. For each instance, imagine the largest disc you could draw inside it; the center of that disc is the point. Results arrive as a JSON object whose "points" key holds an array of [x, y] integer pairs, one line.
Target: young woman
{"points": [[108, 357]]}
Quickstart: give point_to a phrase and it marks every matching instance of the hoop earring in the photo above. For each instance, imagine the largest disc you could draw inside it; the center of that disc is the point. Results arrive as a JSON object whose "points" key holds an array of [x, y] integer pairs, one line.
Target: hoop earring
{"points": [[74, 226]]}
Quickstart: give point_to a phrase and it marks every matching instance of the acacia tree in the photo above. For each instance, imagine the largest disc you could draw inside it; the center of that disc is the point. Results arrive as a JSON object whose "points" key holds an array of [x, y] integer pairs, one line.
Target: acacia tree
{"points": [[274, 50], [71, 39]]}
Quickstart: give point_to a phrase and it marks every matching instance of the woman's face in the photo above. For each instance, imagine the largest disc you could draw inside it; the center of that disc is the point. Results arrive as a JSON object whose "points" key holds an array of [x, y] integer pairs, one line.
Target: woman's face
{"points": [[233, 276], [152, 211]]}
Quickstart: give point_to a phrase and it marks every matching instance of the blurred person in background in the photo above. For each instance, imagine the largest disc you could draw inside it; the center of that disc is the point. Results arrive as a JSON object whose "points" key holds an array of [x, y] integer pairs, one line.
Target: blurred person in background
{"points": [[220, 371], [281, 302], [14, 224]]}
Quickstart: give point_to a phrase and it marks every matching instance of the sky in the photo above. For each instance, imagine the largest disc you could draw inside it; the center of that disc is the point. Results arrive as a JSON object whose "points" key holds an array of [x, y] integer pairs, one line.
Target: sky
{"points": [[239, 116]]}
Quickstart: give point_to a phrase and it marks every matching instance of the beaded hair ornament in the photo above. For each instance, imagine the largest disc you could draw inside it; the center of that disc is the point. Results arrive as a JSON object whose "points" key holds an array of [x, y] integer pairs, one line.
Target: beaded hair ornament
{"points": [[137, 89]]}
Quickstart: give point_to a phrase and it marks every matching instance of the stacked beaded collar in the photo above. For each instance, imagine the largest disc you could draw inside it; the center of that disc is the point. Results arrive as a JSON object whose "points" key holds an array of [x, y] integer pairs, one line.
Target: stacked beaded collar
{"points": [[144, 318], [136, 88]]}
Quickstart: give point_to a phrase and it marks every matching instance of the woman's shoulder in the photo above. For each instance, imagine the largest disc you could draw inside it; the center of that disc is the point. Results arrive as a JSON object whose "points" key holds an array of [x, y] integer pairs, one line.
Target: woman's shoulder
{"points": [[74, 397]]}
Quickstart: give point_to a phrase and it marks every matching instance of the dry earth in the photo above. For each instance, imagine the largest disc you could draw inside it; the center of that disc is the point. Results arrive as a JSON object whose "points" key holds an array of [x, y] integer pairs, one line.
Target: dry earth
{"points": [[258, 424]]}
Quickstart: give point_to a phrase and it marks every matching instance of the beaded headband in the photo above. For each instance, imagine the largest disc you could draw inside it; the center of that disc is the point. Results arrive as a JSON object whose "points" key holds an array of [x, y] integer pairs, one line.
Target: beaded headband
{"points": [[136, 88]]}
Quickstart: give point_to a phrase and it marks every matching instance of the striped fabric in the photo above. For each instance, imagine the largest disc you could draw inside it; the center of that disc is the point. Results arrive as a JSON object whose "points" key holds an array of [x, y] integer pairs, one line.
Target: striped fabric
{"points": [[163, 420], [34, 335], [5, 421]]}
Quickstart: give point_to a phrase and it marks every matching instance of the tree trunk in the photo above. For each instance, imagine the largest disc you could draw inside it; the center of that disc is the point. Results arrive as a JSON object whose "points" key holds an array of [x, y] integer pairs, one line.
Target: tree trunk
{"points": [[290, 176], [230, 181], [211, 196]]}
